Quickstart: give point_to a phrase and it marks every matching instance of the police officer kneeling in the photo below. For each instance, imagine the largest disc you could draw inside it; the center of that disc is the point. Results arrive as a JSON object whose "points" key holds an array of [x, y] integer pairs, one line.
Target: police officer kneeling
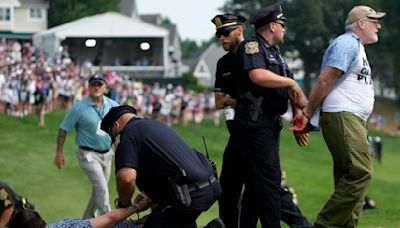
{"points": [[154, 157]]}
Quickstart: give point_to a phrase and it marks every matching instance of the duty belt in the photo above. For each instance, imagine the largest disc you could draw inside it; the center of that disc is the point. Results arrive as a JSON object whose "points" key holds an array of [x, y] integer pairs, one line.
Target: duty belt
{"points": [[201, 184], [91, 149]]}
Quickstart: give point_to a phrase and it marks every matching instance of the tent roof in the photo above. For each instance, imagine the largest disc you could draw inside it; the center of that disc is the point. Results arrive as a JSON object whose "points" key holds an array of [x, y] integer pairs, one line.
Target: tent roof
{"points": [[110, 24]]}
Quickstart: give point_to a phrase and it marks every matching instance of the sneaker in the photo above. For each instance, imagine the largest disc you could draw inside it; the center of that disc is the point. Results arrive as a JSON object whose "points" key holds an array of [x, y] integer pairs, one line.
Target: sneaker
{"points": [[215, 223]]}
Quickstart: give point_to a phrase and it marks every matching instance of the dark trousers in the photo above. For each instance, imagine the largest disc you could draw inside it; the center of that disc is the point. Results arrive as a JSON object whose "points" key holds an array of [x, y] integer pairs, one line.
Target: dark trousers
{"points": [[261, 165], [168, 216], [290, 212], [172, 216], [231, 184]]}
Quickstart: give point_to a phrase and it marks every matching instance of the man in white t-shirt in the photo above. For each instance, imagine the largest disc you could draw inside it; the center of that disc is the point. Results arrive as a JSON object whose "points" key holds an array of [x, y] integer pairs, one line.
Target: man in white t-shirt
{"points": [[345, 94]]}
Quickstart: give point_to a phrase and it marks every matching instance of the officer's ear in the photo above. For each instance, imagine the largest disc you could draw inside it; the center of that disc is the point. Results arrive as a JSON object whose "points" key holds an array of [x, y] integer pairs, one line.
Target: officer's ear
{"points": [[116, 126], [272, 26], [240, 29]]}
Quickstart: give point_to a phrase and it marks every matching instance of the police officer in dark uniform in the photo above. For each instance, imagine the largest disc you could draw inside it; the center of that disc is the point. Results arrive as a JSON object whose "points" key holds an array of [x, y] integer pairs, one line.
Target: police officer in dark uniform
{"points": [[264, 87], [154, 157], [229, 31], [10, 204]]}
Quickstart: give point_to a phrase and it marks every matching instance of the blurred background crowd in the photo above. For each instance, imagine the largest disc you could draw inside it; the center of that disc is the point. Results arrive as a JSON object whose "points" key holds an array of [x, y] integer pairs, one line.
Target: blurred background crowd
{"points": [[32, 82]]}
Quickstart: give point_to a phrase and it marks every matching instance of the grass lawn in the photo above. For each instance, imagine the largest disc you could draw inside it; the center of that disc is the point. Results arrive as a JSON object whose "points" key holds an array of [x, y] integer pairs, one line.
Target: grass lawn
{"points": [[27, 153]]}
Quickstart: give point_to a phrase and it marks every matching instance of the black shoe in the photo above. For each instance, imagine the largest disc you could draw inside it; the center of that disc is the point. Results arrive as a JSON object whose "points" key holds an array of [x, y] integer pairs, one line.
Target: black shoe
{"points": [[215, 223]]}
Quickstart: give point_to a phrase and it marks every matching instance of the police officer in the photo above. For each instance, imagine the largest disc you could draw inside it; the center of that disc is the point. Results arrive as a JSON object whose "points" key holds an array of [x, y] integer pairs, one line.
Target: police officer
{"points": [[264, 86], [229, 31], [10, 204], [154, 157]]}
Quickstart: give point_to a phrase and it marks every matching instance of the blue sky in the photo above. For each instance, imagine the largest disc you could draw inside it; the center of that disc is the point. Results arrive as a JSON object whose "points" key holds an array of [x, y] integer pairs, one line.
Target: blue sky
{"points": [[193, 17]]}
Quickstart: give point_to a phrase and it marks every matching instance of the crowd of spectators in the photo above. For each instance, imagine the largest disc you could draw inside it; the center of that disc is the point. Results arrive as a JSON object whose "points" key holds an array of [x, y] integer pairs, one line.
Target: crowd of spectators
{"points": [[32, 82]]}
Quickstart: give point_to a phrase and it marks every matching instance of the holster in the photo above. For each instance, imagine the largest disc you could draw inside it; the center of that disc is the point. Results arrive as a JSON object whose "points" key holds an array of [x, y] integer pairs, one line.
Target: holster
{"points": [[180, 194], [253, 106]]}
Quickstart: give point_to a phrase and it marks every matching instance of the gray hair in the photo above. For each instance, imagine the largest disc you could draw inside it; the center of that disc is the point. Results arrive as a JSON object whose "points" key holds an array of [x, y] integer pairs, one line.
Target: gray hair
{"points": [[351, 26]]}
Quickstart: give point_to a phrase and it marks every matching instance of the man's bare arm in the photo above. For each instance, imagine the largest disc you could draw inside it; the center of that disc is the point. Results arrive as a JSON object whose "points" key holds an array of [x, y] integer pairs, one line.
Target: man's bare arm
{"points": [[268, 79], [59, 159], [112, 218], [325, 82], [126, 183], [6, 216]]}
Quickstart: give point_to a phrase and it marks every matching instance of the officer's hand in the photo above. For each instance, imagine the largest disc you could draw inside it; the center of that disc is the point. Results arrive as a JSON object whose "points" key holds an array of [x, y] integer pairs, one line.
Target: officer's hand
{"points": [[142, 202], [229, 101], [59, 160]]}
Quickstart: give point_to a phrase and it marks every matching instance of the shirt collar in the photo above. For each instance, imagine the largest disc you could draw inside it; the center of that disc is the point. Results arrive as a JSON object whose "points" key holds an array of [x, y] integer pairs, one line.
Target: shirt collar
{"points": [[91, 102], [351, 33], [261, 38]]}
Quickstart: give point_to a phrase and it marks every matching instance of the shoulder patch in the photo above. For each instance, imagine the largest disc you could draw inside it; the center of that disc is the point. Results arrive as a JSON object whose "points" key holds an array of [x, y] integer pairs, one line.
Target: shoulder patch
{"points": [[251, 47], [3, 194]]}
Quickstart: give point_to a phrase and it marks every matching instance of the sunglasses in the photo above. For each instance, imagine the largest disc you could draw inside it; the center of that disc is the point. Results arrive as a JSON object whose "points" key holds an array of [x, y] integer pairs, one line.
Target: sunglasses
{"points": [[224, 33], [373, 20], [281, 23]]}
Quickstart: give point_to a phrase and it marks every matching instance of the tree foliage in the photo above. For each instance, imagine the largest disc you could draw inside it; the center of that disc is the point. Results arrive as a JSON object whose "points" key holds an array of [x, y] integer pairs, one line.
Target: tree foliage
{"points": [[188, 47], [312, 25], [62, 11]]}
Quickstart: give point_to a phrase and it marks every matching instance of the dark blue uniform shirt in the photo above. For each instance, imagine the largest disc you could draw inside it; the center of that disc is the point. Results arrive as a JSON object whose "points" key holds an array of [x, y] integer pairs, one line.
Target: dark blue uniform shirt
{"points": [[157, 153], [255, 52], [224, 77]]}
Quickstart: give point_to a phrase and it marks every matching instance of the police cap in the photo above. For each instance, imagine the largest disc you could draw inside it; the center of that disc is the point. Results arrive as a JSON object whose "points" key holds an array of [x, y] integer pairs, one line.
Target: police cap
{"points": [[227, 22], [267, 15], [113, 115]]}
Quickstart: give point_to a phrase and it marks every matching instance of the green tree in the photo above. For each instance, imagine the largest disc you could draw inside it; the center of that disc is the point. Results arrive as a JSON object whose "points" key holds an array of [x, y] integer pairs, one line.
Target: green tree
{"points": [[390, 52], [62, 11], [189, 47], [312, 25], [190, 82]]}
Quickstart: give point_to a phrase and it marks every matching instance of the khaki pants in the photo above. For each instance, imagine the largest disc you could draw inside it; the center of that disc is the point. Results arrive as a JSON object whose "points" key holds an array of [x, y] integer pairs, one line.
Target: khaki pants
{"points": [[97, 167], [346, 137]]}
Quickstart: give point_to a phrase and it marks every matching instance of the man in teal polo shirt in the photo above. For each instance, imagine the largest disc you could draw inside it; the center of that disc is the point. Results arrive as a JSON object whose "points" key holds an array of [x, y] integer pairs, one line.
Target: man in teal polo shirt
{"points": [[94, 145]]}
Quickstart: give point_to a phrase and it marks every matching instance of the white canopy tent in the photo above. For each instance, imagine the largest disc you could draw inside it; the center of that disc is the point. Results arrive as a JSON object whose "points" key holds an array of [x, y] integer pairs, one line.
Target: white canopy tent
{"points": [[107, 25]]}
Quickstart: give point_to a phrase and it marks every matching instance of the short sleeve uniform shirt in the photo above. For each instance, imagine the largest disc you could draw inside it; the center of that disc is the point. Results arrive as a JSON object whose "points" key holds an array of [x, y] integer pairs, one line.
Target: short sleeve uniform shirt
{"points": [[254, 53], [157, 153]]}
